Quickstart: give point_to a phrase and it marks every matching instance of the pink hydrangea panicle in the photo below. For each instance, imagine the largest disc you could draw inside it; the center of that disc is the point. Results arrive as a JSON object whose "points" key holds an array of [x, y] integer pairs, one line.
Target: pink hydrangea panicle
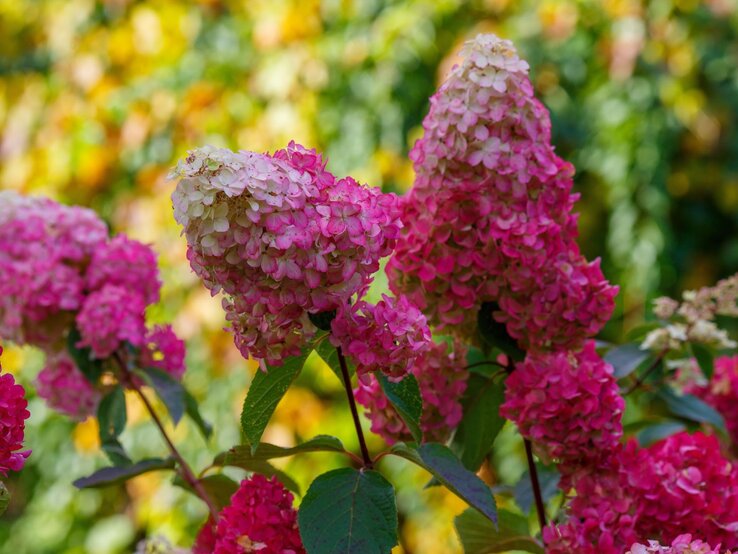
{"points": [[442, 378], [65, 389], [205, 539], [164, 350], [489, 216], [721, 392], [260, 518], [44, 249], [568, 404], [281, 237], [13, 413], [127, 263], [386, 337], [683, 544], [109, 317]]}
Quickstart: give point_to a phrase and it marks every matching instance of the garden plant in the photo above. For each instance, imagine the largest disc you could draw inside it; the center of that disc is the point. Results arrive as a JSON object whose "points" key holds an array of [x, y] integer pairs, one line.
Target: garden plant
{"points": [[492, 315]]}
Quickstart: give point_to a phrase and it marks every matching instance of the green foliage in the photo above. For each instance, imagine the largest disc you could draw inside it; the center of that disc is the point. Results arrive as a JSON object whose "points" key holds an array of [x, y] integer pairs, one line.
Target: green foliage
{"points": [[348, 511], [170, 391], [480, 536], [441, 462], [692, 408], [405, 398], [625, 359], [265, 451], [219, 488], [90, 367], [112, 418], [108, 476], [4, 498], [705, 359], [523, 492]]}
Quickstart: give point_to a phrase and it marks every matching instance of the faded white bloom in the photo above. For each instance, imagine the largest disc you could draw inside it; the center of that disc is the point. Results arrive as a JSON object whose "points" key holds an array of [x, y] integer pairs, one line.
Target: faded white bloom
{"points": [[159, 545]]}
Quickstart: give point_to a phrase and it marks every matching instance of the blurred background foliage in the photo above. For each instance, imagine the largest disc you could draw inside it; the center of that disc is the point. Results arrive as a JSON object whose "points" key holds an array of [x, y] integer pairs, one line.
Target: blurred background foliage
{"points": [[99, 98]]}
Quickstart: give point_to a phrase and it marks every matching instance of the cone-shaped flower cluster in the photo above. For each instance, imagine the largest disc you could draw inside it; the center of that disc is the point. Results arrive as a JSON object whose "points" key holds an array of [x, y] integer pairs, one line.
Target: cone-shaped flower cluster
{"points": [[260, 518], [282, 237], [61, 274], [489, 217], [442, 377], [13, 414], [568, 404], [722, 392], [682, 484], [385, 337]]}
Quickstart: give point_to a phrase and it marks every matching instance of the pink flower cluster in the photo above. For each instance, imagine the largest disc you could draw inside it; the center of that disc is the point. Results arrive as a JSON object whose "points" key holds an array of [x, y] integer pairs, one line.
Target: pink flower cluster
{"points": [[442, 377], [385, 337], [683, 544], [44, 250], [65, 389], [568, 404], [681, 484], [722, 392], [282, 237], [163, 350], [13, 414], [260, 518], [489, 217]]}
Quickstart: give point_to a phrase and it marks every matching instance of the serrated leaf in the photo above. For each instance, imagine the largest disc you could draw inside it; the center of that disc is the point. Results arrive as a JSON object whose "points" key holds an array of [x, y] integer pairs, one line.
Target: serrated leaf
{"points": [[479, 536], [692, 408], [405, 398], [347, 511], [90, 367], [625, 359], [111, 414], [265, 392], [654, 433], [4, 498], [481, 422], [705, 359], [264, 451], [113, 475], [219, 488], [523, 491], [193, 410], [441, 462], [170, 391]]}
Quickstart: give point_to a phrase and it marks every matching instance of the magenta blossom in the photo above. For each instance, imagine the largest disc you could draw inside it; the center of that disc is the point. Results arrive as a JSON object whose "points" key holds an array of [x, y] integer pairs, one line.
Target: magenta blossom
{"points": [[13, 413], [65, 389]]}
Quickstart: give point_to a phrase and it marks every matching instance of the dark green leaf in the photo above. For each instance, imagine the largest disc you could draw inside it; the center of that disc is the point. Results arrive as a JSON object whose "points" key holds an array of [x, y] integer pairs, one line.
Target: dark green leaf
{"points": [[170, 391], [705, 359], [405, 397], [114, 475], [111, 414], [90, 367], [192, 410], [329, 354], [265, 392], [479, 362], [692, 408], [239, 455], [494, 334], [479, 536], [625, 359], [441, 462], [523, 492], [115, 452], [219, 488], [4, 498], [481, 422], [347, 511], [654, 433]]}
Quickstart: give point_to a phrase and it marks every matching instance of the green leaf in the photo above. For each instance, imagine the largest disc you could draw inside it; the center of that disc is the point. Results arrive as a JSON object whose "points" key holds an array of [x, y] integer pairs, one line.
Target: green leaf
{"points": [[705, 359], [4, 498], [523, 491], [115, 452], [625, 359], [654, 433], [219, 488], [441, 462], [405, 397], [692, 408], [170, 391], [111, 414], [329, 354], [347, 511], [193, 410], [494, 334], [90, 367], [114, 475], [265, 392], [479, 536], [481, 422], [239, 455]]}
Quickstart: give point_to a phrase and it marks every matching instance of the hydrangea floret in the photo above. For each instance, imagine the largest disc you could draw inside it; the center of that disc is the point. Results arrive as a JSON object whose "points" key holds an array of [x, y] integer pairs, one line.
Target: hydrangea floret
{"points": [[13, 414]]}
